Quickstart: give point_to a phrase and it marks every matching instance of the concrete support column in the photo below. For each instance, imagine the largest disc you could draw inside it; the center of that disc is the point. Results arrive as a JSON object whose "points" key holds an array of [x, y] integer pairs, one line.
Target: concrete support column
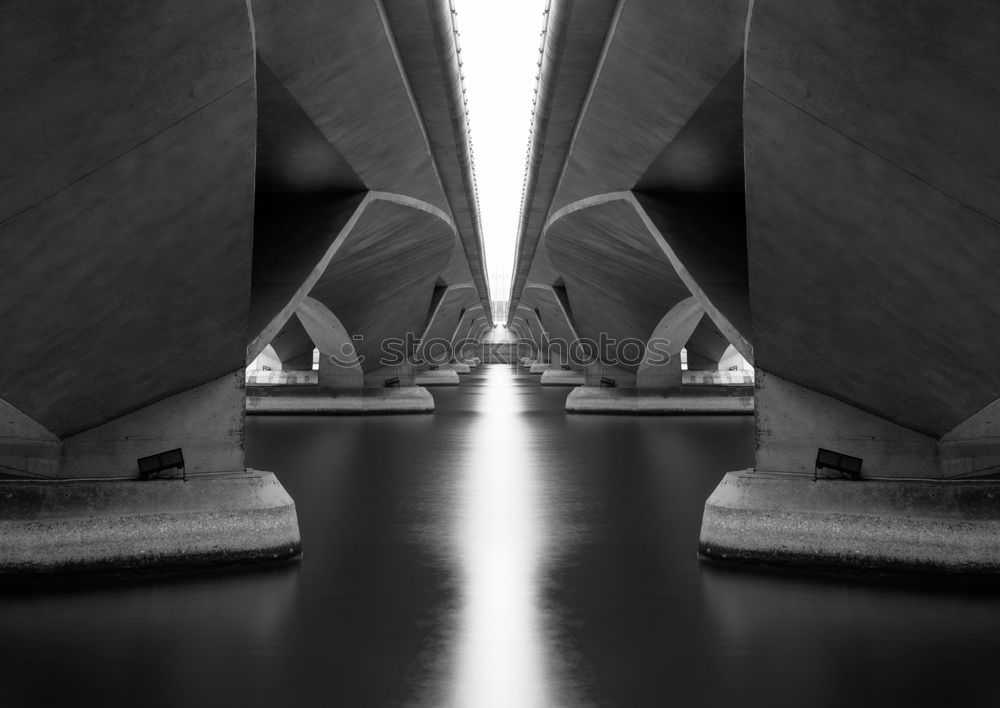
{"points": [[338, 362], [661, 363]]}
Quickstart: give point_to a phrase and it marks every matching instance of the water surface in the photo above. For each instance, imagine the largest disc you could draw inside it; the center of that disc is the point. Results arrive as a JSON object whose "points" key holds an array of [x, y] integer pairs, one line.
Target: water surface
{"points": [[499, 553]]}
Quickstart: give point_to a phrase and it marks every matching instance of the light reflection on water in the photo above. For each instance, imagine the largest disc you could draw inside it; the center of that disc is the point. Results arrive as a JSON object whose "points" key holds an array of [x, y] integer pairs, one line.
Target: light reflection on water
{"points": [[502, 654], [500, 553]]}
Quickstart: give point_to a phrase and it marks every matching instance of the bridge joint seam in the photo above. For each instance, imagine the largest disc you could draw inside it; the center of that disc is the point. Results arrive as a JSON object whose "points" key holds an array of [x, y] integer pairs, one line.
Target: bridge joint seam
{"points": [[128, 150], [874, 152]]}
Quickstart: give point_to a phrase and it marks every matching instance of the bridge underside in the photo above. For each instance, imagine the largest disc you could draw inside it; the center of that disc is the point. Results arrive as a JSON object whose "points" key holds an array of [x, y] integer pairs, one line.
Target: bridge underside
{"points": [[816, 182], [264, 175]]}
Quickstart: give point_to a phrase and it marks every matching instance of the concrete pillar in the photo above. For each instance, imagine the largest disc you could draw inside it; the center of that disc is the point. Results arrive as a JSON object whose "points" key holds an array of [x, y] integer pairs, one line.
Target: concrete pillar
{"points": [[126, 218], [661, 364], [338, 362], [867, 277]]}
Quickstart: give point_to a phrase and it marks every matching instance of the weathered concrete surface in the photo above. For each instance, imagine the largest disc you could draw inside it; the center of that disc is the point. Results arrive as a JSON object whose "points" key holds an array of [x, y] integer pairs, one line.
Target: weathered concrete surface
{"points": [[686, 400], [283, 378], [786, 519], [562, 377], [315, 400], [718, 378], [539, 368], [437, 377], [51, 527]]}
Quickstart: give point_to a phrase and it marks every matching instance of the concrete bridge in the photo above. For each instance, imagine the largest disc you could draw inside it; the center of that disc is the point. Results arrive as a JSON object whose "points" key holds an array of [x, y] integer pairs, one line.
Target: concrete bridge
{"points": [[814, 184], [185, 184], [189, 187]]}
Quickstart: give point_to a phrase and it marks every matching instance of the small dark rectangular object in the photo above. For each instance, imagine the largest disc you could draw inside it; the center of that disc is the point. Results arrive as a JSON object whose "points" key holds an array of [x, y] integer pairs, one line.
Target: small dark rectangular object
{"points": [[608, 382], [434, 367], [150, 467], [848, 466], [393, 382]]}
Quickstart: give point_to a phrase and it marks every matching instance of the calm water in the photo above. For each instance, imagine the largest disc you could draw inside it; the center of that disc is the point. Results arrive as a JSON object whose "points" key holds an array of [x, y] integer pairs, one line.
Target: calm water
{"points": [[499, 553]]}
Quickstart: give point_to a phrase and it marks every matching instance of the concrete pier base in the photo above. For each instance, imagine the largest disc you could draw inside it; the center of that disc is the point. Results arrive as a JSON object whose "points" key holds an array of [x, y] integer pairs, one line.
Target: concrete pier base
{"points": [[771, 518], [437, 377], [458, 368], [539, 368], [209, 519], [562, 377], [683, 400], [315, 400], [282, 378]]}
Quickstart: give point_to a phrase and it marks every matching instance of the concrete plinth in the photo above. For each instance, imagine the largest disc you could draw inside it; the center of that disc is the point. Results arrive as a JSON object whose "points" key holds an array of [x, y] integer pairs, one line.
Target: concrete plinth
{"points": [[562, 377], [314, 400], [948, 527], [539, 368], [458, 368], [718, 378], [282, 378], [685, 400], [437, 377], [209, 519]]}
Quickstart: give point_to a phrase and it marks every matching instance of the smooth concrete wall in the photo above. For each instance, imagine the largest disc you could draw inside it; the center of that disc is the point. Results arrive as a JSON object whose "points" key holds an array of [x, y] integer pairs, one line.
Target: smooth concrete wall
{"points": [[883, 262], [126, 207]]}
